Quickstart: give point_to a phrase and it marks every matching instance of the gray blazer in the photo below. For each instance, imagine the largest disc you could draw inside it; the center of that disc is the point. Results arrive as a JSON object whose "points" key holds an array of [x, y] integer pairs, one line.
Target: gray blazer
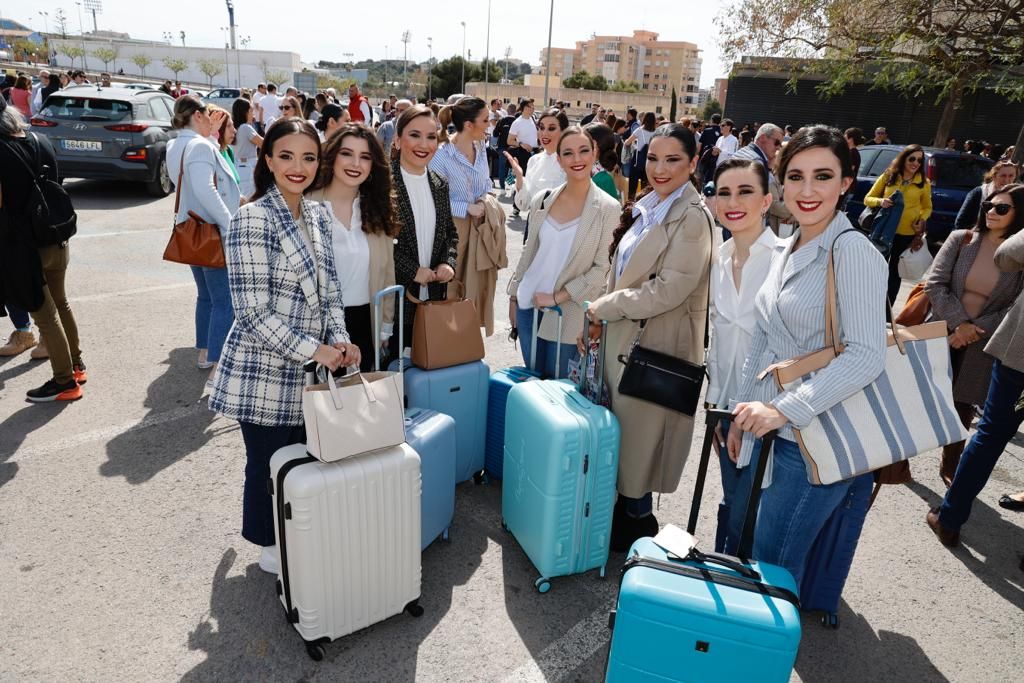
{"points": [[198, 193], [1007, 343]]}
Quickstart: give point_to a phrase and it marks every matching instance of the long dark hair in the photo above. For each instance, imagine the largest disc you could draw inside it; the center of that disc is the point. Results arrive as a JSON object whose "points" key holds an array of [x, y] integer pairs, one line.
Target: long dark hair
{"points": [[263, 178], [240, 112], [604, 139], [688, 141], [464, 110], [895, 170], [375, 192], [1016, 193], [818, 136], [184, 107]]}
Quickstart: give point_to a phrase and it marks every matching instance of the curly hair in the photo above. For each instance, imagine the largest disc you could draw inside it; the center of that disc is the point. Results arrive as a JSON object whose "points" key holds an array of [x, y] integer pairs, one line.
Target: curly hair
{"points": [[377, 213]]}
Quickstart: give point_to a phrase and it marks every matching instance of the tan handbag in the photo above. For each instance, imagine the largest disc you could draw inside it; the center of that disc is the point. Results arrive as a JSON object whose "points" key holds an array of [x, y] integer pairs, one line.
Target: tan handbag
{"points": [[194, 241], [353, 415], [445, 333]]}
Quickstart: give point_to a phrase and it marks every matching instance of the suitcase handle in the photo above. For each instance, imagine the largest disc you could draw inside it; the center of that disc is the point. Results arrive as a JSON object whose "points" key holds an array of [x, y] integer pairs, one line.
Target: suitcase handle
{"points": [[533, 339], [746, 544], [696, 555], [377, 315]]}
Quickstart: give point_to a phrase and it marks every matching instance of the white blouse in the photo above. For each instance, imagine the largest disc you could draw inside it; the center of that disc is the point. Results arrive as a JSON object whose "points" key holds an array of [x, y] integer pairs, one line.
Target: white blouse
{"points": [[425, 217], [543, 173], [553, 249], [351, 257]]}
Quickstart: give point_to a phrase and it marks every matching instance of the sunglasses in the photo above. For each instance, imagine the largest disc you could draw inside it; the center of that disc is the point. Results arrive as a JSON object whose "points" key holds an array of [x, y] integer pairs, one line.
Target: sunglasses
{"points": [[286, 107], [1001, 209], [914, 160]]}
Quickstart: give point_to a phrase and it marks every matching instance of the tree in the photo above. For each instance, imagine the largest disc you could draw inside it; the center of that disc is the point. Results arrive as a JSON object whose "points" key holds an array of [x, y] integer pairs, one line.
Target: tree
{"points": [[582, 79], [73, 52], [210, 68], [913, 47], [672, 108], [142, 61], [175, 66], [446, 76], [105, 55], [711, 107], [625, 86], [325, 81], [278, 78]]}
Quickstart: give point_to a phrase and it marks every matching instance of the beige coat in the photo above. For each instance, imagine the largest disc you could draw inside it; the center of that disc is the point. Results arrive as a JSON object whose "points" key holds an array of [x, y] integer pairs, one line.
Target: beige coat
{"points": [[481, 254], [665, 282], [585, 273]]}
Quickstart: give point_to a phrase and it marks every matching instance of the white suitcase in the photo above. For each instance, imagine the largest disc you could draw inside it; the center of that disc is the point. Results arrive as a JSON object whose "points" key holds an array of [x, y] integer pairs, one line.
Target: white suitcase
{"points": [[348, 539]]}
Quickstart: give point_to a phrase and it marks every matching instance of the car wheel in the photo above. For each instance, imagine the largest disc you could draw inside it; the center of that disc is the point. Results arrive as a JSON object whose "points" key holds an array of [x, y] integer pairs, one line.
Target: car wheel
{"points": [[161, 185]]}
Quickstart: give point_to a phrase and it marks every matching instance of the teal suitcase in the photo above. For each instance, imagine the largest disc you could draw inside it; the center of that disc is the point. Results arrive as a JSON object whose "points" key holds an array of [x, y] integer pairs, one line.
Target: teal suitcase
{"points": [[705, 617]]}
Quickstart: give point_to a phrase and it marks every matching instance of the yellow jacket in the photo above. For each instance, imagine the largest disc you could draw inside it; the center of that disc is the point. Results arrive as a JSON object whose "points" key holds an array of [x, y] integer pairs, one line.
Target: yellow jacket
{"points": [[917, 201]]}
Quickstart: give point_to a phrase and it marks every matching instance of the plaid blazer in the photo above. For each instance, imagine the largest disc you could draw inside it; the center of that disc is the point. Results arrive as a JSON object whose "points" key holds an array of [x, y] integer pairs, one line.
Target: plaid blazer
{"points": [[446, 238], [286, 300]]}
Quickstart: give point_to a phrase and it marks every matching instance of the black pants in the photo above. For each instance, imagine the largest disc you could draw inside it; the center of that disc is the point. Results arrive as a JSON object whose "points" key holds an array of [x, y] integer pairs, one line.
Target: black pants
{"points": [[900, 243], [359, 323], [261, 442]]}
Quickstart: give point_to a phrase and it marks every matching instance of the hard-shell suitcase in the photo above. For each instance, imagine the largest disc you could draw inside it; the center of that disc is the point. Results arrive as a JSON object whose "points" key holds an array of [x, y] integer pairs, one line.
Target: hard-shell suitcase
{"points": [[500, 384], [561, 466], [348, 539], [432, 436], [704, 617], [830, 558]]}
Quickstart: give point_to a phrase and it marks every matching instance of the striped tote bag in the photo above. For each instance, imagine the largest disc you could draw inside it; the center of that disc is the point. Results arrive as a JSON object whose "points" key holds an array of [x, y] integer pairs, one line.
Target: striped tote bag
{"points": [[907, 410]]}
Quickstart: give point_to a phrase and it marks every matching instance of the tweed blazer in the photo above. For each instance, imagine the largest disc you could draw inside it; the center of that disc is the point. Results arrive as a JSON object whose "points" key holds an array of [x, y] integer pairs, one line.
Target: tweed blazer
{"points": [[945, 288], [586, 270], [446, 238], [1007, 343], [287, 302]]}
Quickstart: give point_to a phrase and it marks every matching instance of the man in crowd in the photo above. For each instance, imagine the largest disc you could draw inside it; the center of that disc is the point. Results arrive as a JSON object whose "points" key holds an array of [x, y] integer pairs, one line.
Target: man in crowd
{"points": [[257, 108], [270, 106], [37, 91], [359, 106], [386, 132], [727, 145], [501, 130], [78, 77], [522, 138], [592, 115], [767, 142], [105, 79], [881, 137]]}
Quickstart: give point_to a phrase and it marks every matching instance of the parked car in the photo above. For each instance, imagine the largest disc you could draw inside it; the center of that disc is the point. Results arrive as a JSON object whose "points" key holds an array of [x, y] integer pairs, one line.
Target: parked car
{"points": [[223, 98], [136, 86], [110, 134], [952, 174]]}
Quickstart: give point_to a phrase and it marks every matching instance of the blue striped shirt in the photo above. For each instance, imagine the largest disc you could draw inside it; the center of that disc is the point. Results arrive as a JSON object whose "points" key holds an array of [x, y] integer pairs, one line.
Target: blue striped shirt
{"points": [[648, 211], [467, 183], [790, 310]]}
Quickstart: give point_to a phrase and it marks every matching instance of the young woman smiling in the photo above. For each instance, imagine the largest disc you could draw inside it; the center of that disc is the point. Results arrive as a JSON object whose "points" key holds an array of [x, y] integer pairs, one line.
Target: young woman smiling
{"points": [[288, 311], [743, 198], [355, 186], [545, 170], [790, 321], [427, 244], [564, 262], [660, 257]]}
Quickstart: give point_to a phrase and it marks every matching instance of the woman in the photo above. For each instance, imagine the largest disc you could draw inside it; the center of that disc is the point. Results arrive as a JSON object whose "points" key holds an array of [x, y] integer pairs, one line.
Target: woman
{"points": [[660, 257], [564, 262], [355, 186], [545, 171], [208, 189], [904, 175], [999, 176], [332, 117], [65, 79], [816, 172], [289, 311], [247, 143], [225, 138], [53, 84], [641, 137], [743, 198], [1003, 415], [972, 295], [21, 96], [607, 160], [427, 244]]}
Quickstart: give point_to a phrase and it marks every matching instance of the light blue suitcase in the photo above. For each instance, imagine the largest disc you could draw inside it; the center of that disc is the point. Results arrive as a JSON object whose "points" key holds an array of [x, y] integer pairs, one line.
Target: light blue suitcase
{"points": [[561, 466], [706, 617], [432, 435]]}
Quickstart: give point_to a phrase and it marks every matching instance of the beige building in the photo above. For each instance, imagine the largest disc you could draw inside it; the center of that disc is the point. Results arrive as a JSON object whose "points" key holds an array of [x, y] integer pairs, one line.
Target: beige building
{"points": [[655, 65]]}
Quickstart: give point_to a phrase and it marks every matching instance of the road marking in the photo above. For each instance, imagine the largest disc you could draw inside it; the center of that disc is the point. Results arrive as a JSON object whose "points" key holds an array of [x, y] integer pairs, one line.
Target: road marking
{"points": [[129, 292], [119, 232], [562, 657]]}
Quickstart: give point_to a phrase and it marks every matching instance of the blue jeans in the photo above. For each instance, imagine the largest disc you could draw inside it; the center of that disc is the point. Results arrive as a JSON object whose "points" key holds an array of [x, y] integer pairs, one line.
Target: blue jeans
{"points": [[546, 350], [19, 318], [261, 442], [999, 422], [214, 313], [793, 511], [736, 483]]}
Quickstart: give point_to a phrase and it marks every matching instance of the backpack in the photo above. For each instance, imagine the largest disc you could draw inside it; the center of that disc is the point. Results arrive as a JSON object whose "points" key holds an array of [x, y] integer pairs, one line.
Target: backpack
{"points": [[502, 129], [49, 209]]}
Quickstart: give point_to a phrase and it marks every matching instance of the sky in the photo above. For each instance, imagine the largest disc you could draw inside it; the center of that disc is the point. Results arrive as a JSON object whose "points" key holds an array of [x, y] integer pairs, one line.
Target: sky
{"points": [[329, 30]]}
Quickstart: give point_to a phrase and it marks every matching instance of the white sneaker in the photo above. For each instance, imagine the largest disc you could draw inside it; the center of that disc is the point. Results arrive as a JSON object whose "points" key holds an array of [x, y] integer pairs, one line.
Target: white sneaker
{"points": [[268, 560]]}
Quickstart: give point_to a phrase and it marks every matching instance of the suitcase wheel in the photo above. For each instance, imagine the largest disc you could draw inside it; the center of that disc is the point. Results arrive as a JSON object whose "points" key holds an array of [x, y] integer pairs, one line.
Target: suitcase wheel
{"points": [[601, 573], [414, 609], [315, 651], [479, 478], [830, 620], [542, 584], [444, 535]]}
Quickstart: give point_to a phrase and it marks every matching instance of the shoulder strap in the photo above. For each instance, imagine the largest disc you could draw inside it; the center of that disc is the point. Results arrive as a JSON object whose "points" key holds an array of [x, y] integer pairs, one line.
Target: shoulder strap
{"points": [[711, 265], [177, 185]]}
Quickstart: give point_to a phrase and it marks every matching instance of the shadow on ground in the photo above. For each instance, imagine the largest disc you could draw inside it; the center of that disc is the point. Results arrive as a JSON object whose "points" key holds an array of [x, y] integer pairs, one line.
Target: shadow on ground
{"points": [[18, 426], [104, 195]]}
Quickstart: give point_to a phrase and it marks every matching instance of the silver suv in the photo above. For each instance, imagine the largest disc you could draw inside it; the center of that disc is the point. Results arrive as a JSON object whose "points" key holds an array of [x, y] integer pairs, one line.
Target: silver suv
{"points": [[110, 134]]}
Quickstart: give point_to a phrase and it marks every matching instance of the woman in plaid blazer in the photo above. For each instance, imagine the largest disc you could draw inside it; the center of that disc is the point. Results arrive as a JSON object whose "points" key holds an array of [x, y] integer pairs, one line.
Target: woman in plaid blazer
{"points": [[288, 310]]}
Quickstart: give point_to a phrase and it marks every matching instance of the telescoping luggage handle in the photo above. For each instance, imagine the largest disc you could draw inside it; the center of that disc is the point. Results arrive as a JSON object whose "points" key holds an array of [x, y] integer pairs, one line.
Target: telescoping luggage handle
{"points": [[601, 354], [377, 316], [533, 339]]}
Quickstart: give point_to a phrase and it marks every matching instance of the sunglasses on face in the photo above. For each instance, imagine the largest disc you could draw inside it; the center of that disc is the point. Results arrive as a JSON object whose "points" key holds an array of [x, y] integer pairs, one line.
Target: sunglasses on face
{"points": [[914, 160], [286, 107], [1001, 209]]}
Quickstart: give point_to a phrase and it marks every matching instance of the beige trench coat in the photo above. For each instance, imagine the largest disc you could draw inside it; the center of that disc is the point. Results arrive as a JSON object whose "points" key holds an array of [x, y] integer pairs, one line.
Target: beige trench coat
{"points": [[481, 254], [665, 282]]}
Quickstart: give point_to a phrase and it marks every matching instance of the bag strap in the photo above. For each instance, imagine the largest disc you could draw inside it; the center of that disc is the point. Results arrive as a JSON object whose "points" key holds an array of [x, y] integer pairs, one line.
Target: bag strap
{"points": [[181, 171], [410, 297]]}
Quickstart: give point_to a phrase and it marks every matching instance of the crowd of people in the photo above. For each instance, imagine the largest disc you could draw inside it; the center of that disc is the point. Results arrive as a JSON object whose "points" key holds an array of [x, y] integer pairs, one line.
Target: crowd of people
{"points": [[665, 227]]}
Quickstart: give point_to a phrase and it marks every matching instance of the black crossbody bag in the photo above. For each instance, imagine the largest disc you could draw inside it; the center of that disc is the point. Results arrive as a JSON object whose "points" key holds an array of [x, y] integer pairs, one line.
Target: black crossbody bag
{"points": [[660, 378]]}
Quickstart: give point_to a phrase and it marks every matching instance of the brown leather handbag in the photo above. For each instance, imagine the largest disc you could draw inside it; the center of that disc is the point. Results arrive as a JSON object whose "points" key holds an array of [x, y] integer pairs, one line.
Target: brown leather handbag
{"points": [[194, 241], [445, 333], [917, 308]]}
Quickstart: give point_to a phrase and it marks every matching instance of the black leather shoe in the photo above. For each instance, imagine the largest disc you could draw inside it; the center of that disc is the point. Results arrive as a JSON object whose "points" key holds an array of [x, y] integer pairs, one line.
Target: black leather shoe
{"points": [[1011, 503]]}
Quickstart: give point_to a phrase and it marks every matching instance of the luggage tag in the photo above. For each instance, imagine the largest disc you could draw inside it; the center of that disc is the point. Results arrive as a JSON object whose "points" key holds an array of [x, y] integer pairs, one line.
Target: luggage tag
{"points": [[676, 542]]}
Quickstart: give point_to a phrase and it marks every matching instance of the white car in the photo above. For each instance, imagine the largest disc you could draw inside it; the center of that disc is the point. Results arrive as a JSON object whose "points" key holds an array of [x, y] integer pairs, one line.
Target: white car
{"points": [[224, 97]]}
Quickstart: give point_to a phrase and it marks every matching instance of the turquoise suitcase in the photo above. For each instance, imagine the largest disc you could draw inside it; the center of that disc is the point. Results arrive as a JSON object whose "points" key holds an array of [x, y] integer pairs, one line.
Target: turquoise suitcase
{"points": [[705, 617], [560, 470]]}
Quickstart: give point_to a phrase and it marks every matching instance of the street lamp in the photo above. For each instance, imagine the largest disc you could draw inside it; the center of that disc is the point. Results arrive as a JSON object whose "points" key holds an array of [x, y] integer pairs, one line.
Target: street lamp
{"points": [[463, 88], [547, 70], [227, 65], [46, 23], [81, 33], [487, 49], [430, 58], [386, 79]]}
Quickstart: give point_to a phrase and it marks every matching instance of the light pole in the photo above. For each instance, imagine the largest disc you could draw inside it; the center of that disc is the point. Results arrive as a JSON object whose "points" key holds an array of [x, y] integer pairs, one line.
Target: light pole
{"points": [[406, 37], [508, 53], [81, 33], [227, 64], [234, 45], [547, 70], [463, 88], [46, 23], [487, 49], [430, 59], [386, 78]]}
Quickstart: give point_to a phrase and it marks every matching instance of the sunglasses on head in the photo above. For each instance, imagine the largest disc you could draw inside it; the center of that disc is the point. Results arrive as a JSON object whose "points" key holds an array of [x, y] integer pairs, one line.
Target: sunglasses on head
{"points": [[1001, 209]]}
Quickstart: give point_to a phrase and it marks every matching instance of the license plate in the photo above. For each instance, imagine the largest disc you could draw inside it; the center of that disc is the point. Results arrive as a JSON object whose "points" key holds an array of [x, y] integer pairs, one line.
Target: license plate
{"points": [[82, 145]]}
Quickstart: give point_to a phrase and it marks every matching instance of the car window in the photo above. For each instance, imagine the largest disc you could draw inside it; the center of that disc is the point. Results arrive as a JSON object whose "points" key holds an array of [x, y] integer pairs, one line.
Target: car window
{"points": [[867, 155], [86, 109], [882, 161], [214, 93], [961, 172], [159, 110]]}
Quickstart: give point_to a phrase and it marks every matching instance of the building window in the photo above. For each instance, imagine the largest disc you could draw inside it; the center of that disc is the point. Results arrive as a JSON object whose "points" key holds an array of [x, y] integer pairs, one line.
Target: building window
{"points": [[689, 100], [657, 109]]}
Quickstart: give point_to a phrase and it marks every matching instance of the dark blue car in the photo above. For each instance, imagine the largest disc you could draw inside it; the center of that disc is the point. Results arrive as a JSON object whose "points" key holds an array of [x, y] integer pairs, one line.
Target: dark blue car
{"points": [[952, 175]]}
